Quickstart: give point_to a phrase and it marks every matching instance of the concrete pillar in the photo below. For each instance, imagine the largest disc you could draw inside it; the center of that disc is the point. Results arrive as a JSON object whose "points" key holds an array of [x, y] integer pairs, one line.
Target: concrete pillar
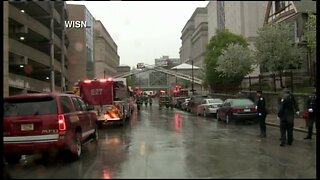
{"points": [[52, 77], [63, 85], [5, 49]]}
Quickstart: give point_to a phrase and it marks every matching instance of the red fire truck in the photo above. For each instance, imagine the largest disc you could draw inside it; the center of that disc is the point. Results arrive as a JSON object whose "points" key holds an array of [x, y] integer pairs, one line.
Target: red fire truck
{"points": [[111, 99]]}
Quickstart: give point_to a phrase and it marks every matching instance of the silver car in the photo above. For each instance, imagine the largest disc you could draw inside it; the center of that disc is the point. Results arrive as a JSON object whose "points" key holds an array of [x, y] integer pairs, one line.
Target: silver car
{"points": [[184, 105], [209, 106]]}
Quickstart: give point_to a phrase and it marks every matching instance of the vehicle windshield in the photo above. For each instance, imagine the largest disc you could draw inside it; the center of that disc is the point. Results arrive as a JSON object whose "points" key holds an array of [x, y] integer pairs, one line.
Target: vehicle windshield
{"points": [[30, 106], [209, 101], [242, 102]]}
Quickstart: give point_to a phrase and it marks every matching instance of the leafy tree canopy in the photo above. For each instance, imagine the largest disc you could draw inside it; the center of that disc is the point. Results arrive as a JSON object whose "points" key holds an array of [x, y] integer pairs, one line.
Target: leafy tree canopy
{"points": [[217, 44], [275, 47], [235, 61]]}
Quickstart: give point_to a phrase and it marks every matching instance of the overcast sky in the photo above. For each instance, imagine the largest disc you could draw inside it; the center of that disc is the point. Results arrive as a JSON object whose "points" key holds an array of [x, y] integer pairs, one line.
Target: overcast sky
{"points": [[144, 30]]}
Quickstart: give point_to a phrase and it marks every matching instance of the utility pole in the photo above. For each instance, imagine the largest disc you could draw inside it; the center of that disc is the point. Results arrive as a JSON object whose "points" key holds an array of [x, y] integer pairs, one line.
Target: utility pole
{"points": [[51, 47], [63, 80], [192, 77], [176, 76]]}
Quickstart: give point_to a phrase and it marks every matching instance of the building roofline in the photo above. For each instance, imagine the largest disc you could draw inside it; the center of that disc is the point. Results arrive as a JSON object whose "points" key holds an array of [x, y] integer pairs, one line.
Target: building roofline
{"points": [[98, 21]]}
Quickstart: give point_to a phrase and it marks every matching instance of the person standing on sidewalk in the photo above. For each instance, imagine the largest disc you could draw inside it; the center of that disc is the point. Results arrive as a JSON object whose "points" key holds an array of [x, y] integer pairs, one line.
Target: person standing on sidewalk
{"points": [[262, 114], [288, 107], [311, 107]]}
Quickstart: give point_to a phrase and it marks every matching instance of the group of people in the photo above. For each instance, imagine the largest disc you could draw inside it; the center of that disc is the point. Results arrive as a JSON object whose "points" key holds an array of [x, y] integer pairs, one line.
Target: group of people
{"points": [[286, 112]]}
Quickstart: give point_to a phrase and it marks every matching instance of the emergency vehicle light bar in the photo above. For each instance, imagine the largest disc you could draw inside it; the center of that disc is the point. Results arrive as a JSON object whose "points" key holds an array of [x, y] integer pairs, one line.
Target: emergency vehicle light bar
{"points": [[87, 81], [103, 80]]}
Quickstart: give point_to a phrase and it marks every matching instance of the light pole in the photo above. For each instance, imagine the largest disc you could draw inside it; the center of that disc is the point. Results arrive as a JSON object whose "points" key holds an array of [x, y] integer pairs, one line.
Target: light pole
{"points": [[176, 76], [52, 80], [192, 77]]}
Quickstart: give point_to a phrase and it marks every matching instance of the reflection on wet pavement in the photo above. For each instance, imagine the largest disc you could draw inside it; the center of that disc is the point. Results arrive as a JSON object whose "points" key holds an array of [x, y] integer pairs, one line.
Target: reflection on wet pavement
{"points": [[169, 143]]}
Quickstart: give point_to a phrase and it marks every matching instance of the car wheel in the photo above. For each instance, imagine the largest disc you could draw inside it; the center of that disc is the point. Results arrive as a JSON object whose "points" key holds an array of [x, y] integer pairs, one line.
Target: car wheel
{"points": [[75, 150], [218, 118], [13, 159], [227, 119], [100, 124], [96, 135]]}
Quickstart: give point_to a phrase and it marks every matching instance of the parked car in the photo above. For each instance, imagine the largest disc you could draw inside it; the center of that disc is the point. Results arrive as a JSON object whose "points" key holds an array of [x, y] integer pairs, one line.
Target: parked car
{"points": [[179, 102], [209, 106], [46, 122], [184, 104], [194, 102], [237, 109]]}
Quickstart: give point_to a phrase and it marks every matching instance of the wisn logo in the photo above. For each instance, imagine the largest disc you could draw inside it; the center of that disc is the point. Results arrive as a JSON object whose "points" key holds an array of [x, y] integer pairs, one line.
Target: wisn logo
{"points": [[76, 24]]}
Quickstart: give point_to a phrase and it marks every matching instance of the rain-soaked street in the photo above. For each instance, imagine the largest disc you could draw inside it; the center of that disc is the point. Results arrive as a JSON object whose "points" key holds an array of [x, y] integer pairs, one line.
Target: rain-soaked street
{"points": [[175, 144]]}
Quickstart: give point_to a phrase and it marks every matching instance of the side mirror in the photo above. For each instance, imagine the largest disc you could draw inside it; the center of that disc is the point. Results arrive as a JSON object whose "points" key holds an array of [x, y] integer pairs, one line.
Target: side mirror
{"points": [[90, 108]]}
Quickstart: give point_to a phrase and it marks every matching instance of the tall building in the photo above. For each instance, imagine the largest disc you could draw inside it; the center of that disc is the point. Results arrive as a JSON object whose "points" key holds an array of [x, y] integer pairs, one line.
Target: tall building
{"points": [[123, 69], [106, 59], [80, 50], [239, 17], [166, 62], [28, 59], [195, 38]]}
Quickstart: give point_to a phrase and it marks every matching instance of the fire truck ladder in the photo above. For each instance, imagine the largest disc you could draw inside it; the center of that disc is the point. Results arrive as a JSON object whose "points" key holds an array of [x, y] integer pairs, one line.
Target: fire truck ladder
{"points": [[166, 71]]}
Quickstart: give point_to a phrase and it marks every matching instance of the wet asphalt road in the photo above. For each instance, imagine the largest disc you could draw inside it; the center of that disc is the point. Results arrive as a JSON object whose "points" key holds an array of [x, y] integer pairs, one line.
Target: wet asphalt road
{"points": [[175, 144]]}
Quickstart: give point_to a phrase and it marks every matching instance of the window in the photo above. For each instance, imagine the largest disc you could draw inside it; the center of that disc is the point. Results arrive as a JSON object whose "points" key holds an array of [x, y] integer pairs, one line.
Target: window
{"points": [[30, 106], [279, 5], [242, 102], [65, 104], [76, 104], [82, 104]]}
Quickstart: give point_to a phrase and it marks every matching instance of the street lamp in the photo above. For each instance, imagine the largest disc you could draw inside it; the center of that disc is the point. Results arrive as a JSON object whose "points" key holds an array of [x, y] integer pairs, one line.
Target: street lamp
{"points": [[192, 90]]}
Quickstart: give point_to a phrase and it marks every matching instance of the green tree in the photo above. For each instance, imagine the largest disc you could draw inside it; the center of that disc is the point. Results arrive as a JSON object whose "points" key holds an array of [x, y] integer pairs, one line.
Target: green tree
{"points": [[310, 31], [310, 36], [217, 44], [275, 48], [235, 62]]}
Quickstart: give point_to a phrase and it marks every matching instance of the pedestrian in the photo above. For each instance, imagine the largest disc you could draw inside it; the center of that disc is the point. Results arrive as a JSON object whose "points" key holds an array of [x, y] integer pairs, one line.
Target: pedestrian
{"points": [[287, 109], [262, 114], [311, 107]]}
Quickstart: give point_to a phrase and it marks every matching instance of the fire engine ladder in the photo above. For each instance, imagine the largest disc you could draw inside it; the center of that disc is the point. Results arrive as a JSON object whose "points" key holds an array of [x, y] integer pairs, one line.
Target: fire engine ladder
{"points": [[166, 71]]}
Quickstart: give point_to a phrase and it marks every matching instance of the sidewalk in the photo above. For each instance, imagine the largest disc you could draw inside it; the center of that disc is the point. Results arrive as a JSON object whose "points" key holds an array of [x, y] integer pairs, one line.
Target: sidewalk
{"points": [[299, 123]]}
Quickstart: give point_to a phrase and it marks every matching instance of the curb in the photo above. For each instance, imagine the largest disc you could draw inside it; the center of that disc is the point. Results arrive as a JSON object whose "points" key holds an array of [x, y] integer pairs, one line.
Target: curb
{"points": [[296, 129]]}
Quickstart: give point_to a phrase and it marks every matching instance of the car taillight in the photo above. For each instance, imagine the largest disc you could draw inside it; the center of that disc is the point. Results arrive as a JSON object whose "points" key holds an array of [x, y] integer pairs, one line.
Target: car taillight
{"points": [[253, 110], [210, 106], [236, 110], [62, 122]]}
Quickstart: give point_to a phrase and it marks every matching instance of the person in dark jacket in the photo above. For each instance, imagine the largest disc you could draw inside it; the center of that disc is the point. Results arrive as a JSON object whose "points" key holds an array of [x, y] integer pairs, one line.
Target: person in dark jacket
{"points": [[311, 108], [262, 114], [287, 109]]}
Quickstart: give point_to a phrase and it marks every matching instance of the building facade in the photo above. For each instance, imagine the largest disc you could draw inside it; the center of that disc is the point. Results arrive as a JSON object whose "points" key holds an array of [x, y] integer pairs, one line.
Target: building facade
{"points": [[80, 50], [295, 13], [123, 69], [239, 17], [166, 62], [106, 59], [35, 58], [195, 38]]}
